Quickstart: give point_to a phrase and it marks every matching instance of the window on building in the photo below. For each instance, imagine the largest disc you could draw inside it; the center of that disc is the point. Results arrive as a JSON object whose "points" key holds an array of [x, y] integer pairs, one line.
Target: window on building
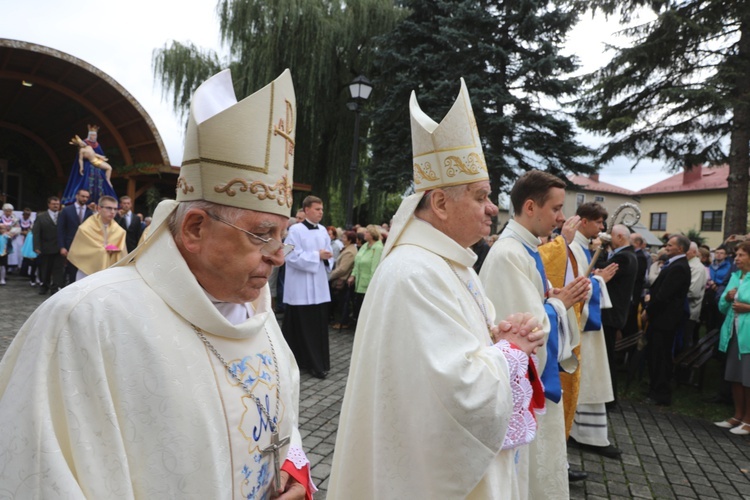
{"points": [[711, 220], [580, 199], [599, 199], [658, 221]]}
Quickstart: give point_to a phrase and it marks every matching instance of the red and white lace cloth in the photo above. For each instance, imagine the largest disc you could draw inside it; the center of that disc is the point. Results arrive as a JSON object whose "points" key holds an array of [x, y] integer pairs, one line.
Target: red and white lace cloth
{"points": [[298, 466], [527, 392]]}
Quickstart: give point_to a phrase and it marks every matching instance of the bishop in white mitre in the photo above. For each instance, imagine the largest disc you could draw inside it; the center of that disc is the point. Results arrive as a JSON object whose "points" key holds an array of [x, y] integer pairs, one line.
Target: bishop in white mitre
{"points": [[167, 375], [438, 399]]}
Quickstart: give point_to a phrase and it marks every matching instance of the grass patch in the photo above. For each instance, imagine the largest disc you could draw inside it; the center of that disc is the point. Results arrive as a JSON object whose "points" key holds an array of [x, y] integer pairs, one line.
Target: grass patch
{"points": [[687, 399]]}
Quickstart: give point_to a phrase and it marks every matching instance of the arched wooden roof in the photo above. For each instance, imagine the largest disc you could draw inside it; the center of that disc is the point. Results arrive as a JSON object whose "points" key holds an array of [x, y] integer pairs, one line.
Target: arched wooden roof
{"points": [[65, 95]]}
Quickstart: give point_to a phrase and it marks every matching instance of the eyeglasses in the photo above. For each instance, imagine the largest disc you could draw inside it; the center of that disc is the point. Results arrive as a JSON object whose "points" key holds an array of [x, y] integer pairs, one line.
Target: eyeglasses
{"points": [[270, 246]]}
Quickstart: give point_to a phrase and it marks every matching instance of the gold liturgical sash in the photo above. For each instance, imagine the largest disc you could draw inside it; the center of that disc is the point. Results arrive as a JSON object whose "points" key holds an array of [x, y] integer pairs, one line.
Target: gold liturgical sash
{"points": [[87, 252]]}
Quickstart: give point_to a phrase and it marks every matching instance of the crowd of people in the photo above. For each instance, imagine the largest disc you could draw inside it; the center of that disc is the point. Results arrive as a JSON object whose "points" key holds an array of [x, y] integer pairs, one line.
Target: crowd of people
{"points": [[476, 361], [57, 246]]}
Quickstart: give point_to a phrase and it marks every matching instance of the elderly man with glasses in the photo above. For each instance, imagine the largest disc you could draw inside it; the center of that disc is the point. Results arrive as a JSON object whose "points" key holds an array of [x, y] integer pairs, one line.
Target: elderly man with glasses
{"points": [[167, 375]]}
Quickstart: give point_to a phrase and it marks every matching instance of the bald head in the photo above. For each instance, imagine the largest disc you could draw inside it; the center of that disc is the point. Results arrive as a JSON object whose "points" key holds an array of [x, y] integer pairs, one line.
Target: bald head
{"points": [[692, 251], [620, 236]]}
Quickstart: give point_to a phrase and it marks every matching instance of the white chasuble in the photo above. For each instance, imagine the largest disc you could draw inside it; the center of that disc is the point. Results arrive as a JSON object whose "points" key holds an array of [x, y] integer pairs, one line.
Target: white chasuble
{"points": [[428, 399], [514, 284], [596, 384], [107, 391]]}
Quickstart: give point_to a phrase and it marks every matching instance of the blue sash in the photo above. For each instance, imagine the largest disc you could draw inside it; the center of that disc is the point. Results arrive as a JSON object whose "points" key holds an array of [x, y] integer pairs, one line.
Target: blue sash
{"points": [[594, 320], [551, 373]]}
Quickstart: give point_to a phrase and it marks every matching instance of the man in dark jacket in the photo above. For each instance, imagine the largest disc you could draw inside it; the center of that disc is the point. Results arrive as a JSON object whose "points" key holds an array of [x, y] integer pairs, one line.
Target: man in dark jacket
{"points": [[130, 222], [666, 308], [643, 258], [620, 289], [46, 247], [70, 218]]}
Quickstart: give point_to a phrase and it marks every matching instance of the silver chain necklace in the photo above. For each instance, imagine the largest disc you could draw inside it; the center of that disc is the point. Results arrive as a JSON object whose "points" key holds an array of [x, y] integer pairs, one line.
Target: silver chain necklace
{"points": [[276, 444], [474, 293]]}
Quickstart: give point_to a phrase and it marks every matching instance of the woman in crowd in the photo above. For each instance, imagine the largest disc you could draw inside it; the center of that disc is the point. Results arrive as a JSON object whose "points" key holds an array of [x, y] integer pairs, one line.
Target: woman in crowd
{"points": [[735, 341], [340, 289], [336, 244], [653, 271], [9, 219], [365, 262]]}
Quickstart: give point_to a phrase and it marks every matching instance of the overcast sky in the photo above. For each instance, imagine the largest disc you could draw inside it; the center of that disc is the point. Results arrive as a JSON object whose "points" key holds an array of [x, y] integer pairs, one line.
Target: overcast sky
{"points": [[119, 38]]}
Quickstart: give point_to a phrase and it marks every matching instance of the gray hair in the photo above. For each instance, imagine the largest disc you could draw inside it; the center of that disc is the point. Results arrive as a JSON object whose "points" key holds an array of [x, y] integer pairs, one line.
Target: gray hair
{"points": [[682, 241], [7, 206], [230, 214], [452, 192]]}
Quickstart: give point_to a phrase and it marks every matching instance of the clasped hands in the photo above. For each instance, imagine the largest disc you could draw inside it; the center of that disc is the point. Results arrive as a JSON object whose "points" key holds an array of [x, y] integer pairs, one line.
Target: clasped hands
{"points": [[737, 306], [575, 291], [522, 329]]}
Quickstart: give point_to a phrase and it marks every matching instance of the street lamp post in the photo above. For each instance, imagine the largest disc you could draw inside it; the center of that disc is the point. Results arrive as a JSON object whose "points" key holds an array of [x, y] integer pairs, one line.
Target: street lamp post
{"points": [[360, 89]]}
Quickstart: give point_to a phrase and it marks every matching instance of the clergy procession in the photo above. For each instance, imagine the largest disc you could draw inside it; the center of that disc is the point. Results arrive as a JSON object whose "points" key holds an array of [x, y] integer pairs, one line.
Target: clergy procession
{"points": [[168, 360]]}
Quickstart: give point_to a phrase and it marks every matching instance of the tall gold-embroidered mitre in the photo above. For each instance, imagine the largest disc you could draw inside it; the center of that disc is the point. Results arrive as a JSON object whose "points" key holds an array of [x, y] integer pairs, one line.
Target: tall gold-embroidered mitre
{"points": [[240, 154], [449, 153], [445, 154]]}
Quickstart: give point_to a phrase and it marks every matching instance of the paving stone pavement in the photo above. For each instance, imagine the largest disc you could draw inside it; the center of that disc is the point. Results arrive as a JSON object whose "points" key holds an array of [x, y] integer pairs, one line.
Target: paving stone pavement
{"points": [[664, 455]]}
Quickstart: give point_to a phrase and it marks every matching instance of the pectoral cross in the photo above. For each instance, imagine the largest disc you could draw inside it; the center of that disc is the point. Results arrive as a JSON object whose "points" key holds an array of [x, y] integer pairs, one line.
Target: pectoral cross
{"points": [[274, 448]]}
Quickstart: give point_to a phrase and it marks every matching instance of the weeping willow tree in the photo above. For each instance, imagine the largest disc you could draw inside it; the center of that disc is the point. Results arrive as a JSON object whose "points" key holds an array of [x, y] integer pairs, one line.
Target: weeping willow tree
{"points": [[325, 43]]}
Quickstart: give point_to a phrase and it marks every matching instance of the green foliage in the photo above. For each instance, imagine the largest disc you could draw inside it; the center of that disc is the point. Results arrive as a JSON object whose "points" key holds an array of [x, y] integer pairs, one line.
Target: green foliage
{"points": [[695, 235], [326, 43], [180, 69], [680, 93], [153, 197], [509, 55]]}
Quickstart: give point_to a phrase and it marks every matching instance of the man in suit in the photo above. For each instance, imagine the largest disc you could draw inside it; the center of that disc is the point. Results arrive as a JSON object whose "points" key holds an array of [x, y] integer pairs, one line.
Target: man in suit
{"points": [[620, 289], [666, 308], [130, 222], [643, 259], [46, 246], [70, 218]]}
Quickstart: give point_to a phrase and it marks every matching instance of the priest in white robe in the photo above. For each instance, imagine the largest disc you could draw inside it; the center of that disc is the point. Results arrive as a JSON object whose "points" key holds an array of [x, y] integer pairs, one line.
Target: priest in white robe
{"points": [[513, 274], [167, 375], [438, 397], [590, 423]]}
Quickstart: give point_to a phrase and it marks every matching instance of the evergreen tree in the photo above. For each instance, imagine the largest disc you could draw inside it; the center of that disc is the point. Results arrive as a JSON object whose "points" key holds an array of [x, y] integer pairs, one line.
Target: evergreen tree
{"points": [[680, 92], [326, 43], [509, 54]]}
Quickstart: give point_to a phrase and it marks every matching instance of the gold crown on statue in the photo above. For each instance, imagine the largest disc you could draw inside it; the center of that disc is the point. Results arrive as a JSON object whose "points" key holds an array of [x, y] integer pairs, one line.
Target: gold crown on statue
{"points": [[93, 128], [240, 154], [449, 153]]}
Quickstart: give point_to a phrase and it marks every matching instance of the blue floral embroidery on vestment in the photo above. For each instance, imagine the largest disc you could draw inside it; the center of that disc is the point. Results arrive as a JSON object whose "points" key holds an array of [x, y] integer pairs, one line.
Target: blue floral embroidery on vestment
{"points": [[265, 359], [264, 476], [261, 490], [265, 376]]}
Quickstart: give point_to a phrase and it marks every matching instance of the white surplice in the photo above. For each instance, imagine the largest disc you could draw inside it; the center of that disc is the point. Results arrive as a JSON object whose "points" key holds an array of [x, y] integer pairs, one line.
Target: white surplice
{"points": [[306, 279], [513, 284], [107, 391], [595, 389], [596, 385], [428, 399]]}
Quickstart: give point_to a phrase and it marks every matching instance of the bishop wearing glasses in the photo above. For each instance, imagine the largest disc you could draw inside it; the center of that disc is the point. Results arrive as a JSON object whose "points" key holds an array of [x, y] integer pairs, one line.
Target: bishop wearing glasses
{"points": [[167, 375]]}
